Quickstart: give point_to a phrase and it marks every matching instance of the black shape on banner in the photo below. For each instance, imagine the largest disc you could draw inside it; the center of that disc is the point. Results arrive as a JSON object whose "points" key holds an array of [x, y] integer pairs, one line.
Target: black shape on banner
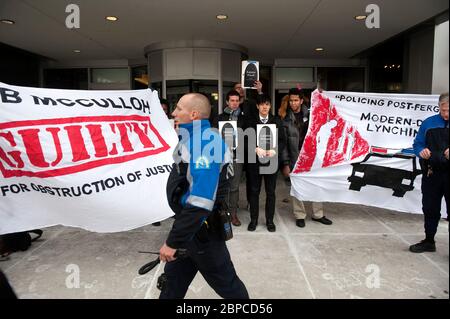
{"points": [[266, 141], [228, 135], [250, 75], [385, 177]]}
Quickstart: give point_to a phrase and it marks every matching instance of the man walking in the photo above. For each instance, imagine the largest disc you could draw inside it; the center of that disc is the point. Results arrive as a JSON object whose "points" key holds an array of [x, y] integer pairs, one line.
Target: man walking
{"points": [[197, 189], [431, 146]]}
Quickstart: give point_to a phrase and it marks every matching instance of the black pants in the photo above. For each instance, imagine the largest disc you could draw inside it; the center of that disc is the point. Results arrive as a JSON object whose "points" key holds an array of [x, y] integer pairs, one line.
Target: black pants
{"points": [[434, 188], [213, 261], [270, 183], [247, 183]]}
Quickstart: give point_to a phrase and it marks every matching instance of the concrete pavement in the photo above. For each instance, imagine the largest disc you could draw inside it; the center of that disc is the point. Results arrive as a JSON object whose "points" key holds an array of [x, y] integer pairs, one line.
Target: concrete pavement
{"points": [[364, 254]]}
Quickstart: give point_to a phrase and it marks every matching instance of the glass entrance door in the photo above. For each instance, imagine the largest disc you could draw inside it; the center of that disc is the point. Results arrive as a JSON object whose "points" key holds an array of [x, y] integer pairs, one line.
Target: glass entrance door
{"points": [[175, 89]]}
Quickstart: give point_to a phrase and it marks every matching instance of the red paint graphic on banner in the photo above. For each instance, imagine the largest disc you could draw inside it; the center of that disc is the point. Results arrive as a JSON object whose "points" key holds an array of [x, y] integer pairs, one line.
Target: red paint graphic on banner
{"points": [[330, 139], [53, 147]]}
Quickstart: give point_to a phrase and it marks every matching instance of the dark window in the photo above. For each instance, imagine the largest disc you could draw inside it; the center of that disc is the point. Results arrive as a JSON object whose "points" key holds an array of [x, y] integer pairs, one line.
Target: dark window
{"points": [[342, 78], [139, 78], [18, 67], [75, 79]]}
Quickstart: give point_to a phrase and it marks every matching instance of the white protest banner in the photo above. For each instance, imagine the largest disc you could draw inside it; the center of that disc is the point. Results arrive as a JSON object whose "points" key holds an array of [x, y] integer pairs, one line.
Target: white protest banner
{"points": [[98, 160], [358, 149]]}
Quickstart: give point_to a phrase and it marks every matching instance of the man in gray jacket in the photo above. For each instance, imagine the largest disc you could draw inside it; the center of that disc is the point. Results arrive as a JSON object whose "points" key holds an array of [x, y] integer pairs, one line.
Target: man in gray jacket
{"points": [[295, 125]]}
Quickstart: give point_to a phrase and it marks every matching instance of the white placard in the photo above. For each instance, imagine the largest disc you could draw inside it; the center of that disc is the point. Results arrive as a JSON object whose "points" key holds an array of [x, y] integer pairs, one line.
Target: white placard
{"points": [[249, 74], [229, 132], [266, 136]]}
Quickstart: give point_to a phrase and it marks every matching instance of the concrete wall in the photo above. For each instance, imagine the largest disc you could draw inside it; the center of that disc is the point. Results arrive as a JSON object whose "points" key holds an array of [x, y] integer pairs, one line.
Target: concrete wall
{"points": [[440, 60], [420, 61]]}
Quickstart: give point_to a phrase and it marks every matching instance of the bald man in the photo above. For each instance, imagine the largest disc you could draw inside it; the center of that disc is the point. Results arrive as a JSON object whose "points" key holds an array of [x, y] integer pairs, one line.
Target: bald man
{"points": [[197, 190]]}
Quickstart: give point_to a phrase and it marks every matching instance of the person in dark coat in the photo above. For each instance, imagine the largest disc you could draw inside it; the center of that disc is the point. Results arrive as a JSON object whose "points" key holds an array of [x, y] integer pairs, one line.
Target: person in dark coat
{"points": [[233, 112], [248, 107], [431, 146], [295, 125], [258, 165]]}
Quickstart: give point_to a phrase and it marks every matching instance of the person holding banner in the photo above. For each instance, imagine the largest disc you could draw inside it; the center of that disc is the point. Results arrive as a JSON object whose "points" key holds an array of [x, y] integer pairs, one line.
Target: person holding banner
{"points": [[265, 157], [233, 112], [431, 146], [197, 190], [247, 105], [295, 125]]}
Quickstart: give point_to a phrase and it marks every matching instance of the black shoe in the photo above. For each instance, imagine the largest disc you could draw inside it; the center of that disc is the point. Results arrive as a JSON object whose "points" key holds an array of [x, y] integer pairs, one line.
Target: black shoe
{"points": [[252, 225], [300, 223], [323, 220], [271, 227], [422, 247], [156, 224]]}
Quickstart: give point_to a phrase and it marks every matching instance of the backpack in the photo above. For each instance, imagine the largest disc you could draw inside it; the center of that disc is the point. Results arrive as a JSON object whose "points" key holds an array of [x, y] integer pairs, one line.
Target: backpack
{"points": [[13, 242]]}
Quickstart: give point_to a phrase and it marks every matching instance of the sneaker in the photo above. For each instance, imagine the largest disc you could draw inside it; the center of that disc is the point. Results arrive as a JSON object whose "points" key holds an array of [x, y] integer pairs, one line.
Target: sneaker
{"points": [[271, 227], [252, 226], [300, 223], [323, 220], [422, 247]]}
